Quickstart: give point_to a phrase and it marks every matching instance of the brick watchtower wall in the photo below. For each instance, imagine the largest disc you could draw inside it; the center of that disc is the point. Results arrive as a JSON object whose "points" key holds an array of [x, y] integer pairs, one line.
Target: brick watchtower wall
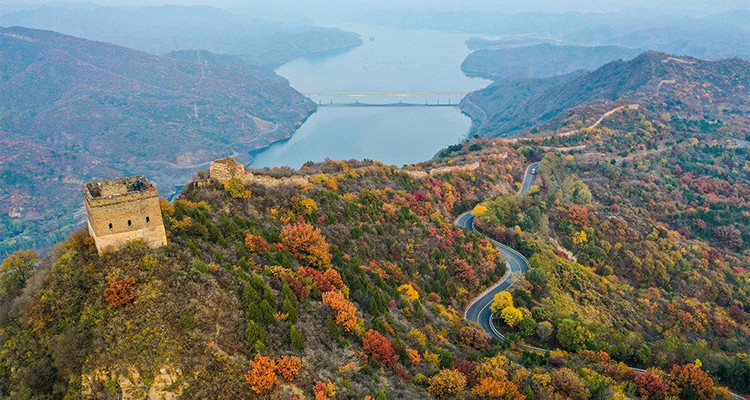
{"points": [[227, 169], [119, 212]]}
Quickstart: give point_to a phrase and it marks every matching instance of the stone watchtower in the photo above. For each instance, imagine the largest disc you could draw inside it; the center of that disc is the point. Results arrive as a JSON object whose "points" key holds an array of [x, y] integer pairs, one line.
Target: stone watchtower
{"points": [[226, 169], [122, 210]]}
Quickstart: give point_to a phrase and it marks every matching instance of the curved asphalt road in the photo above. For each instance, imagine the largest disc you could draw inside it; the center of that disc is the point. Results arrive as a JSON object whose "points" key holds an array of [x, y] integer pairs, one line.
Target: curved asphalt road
{"points": [[528, 178], [479, 309]]}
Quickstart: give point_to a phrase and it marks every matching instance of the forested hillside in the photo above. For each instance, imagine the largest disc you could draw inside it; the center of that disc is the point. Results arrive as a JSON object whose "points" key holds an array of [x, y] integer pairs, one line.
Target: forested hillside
{"points": [[694, 89], [75, 110], [349, 279]]}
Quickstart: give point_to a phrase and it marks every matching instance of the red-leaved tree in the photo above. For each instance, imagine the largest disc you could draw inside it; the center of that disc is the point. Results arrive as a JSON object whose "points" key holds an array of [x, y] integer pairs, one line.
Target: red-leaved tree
{"points": [[120, 290], [379, 347]]}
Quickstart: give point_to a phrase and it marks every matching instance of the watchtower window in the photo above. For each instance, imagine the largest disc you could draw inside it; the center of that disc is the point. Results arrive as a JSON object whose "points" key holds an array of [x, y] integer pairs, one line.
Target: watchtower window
{"points": [[130, 222], [148, 219], [110, 225]]}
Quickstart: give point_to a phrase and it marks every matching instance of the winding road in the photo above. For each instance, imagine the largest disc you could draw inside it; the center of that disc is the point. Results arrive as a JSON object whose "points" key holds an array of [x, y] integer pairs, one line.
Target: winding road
{"points": [[479, 308]]}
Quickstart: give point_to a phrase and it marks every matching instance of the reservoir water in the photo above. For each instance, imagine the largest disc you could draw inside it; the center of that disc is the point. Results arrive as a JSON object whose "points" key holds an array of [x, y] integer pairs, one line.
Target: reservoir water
{"points": [[390, 59]]}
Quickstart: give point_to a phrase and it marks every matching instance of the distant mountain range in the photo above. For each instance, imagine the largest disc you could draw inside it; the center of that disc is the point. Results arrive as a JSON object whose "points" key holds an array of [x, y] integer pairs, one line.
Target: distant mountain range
{"points": [[538, 61], [74, 110], [714, 36], [163, 29], [692, 88]]}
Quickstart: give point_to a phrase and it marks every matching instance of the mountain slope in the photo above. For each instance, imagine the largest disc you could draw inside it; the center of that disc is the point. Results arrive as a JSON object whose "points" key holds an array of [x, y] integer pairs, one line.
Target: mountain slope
{"points": [[695, 87], [168, 28], [350, 276], [540, 61], [94, 104], [225, 61]]}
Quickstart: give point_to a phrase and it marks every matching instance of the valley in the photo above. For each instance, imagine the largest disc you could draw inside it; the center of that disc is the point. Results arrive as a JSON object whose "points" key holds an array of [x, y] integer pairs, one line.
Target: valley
{"points": [[389, 209]]}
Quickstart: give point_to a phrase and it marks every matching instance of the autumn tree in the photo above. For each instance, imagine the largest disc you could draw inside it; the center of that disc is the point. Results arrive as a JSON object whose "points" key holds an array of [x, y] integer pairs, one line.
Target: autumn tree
{"points": [[346, 316], [120, 290], [447, 383], [306, 243], [501, 300], [479, 210], [379, 347], [237, 189], [497, 388], [16, 269], [324, 391], [408, 291], [567, 383], [578, 215], [414, 358], [511, 315], [288, 367], [256, 243], [467, 368], [262, 374], [579, 237], [303, 206], [691, 382], [652, 385], [473, 337]]}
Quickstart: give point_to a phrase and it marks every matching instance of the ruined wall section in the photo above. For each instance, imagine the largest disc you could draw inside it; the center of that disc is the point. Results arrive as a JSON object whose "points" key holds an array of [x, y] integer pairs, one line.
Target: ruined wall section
{"points": [[227, 169], [123, 215]]}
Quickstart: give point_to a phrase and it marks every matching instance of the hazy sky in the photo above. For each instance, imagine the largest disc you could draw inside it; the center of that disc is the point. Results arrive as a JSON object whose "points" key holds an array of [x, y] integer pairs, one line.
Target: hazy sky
{"points": [[495, 5]]}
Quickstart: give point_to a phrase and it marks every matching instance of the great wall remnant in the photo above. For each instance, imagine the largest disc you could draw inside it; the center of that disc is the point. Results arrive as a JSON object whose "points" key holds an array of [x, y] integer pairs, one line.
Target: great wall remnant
{"points": [[123, 210]]}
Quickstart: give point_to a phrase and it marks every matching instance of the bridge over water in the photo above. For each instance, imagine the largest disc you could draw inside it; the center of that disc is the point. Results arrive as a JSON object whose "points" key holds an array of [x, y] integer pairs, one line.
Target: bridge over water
{"points": [[387, 98]]}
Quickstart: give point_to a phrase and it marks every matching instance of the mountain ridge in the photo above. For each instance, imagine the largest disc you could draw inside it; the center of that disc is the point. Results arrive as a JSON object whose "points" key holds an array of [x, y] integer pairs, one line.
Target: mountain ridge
{"points": [[644, 78], [161, 29], [108, 104]]}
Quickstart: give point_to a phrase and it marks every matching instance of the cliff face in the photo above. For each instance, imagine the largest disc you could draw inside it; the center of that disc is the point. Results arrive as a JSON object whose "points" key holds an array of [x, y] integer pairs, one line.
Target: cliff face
{"points": [[76, 110]]}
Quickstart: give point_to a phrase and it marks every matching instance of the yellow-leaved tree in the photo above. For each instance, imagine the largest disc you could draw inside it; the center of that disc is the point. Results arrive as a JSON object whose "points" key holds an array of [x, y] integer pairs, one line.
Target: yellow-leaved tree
{"points": [[408, 291], [511, 315], [501, 300]]}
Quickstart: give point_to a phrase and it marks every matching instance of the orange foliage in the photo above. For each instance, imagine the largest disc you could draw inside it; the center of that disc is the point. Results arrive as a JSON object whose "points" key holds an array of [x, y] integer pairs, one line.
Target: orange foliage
{"points": [[345, 311], [307, 244], [288, 367], [494, 388], [256, 243], [325, 282], [578, 215], [262, 374], [414, 357], [379, 347], [120, 291], [324, 391], [691, 382], [334, 278]]}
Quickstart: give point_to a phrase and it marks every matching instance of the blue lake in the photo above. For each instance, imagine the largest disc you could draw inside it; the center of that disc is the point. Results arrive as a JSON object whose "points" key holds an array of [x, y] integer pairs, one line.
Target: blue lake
{"points": [[390, 60]]}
